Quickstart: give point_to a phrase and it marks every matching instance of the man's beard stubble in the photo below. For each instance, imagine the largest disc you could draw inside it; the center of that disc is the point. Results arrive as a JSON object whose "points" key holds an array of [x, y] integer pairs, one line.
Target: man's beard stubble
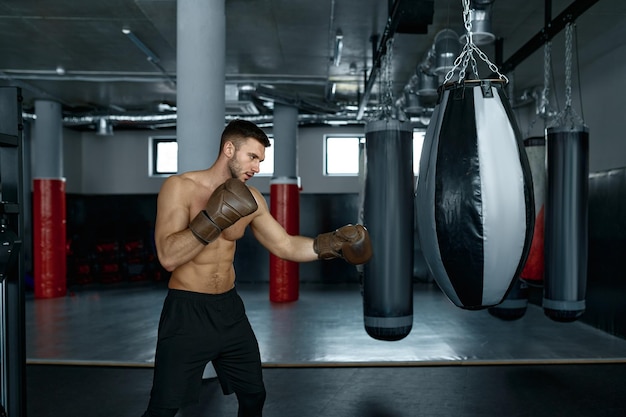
{"points": [[234, 167]]}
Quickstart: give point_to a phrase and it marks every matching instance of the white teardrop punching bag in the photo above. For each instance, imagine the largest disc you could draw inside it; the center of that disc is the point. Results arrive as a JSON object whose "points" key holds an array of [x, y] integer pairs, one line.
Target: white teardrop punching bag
{"points": [[474, 200], [515, 304]]}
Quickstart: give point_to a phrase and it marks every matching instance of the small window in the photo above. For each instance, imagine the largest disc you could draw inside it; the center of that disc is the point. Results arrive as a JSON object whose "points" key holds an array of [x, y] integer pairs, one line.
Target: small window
{"points": [[267, 166], [342, 155], [164, 158]]}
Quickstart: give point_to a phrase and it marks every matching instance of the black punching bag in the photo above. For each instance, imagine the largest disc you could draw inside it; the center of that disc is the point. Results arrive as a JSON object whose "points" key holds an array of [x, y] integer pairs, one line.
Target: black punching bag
{"points": [[475, 208], [388, 216], [566, 228]]}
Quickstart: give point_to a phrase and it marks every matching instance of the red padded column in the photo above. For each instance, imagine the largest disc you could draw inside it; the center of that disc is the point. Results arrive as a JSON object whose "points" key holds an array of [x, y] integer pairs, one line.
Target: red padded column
{"points": [[285, 207], [49, 237], [49, 252], [535, 264]]}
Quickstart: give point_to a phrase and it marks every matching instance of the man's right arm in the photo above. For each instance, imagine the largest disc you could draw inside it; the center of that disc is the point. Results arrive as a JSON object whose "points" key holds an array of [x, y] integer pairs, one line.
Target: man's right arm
{"points": [[175, 243]]}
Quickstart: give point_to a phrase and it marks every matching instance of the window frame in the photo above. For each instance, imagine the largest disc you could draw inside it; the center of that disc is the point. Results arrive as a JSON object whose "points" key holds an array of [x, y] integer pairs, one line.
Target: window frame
{"points": [[154, 155], [362, 138], [359, 137], [272, 146]]}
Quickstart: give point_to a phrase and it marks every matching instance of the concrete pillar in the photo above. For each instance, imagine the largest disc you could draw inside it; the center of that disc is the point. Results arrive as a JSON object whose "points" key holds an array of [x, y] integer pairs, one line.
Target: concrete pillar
{"points": [[200, 80], [200, 86], [285, 140]]}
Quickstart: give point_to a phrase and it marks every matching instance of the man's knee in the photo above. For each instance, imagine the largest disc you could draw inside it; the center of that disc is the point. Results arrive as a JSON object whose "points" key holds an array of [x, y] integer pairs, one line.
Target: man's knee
{"points": [[251, 405], [159, 412]]}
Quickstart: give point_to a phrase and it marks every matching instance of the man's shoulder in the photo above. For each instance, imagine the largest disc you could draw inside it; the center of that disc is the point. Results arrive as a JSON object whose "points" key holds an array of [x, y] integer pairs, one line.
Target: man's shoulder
{"points": [[261, 202], [185, 182], [189, 178], [255, 192]]}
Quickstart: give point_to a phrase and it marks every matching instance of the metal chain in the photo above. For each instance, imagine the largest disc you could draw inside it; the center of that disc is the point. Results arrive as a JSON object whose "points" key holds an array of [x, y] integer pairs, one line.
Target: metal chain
{"points": [[543, 109], [467, 18], [547, 62], [568, 117], [389, 86], [386, 83], [467, 54], [568, 65]]}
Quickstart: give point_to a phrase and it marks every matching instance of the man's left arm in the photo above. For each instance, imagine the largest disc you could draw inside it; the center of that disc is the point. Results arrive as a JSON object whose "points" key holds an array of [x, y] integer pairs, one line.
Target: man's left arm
{"points": [[276, 239], [350, 242]]}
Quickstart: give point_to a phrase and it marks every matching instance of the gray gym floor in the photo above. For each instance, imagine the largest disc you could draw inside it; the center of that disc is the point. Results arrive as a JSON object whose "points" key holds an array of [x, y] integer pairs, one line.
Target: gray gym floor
{"points": [[319, 361]]}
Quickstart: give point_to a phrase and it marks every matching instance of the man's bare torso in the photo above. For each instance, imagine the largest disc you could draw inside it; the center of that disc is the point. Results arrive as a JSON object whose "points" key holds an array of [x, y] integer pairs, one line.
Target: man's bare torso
{"points": [[212, 270]]}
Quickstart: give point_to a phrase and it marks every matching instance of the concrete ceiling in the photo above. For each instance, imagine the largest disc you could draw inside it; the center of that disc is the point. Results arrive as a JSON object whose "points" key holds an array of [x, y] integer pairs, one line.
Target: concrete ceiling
{"points": [[75, 52]]}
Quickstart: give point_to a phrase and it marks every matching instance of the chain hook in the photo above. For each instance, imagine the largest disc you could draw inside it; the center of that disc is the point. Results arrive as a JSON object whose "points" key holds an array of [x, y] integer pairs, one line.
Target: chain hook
{"points": [[467, 54]]}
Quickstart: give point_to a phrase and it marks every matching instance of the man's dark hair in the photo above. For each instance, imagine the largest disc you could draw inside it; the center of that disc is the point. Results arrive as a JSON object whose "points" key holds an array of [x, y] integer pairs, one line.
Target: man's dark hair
{"points": [[237, 131]]}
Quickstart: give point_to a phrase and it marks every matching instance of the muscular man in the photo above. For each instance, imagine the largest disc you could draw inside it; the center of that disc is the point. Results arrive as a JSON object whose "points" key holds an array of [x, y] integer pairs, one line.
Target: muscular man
{"points": [[200, 215]]}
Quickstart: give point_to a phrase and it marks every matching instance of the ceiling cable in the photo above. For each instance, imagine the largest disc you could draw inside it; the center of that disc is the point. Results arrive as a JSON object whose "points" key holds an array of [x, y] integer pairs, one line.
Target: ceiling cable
{"points": [[151, 56]]}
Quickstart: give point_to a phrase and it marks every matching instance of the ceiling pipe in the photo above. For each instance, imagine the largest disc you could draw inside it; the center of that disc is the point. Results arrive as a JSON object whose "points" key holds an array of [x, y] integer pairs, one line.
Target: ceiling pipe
{"points": [[125, 119], [150, 56], [112, 76], [96, 77], [169, 120], [30, 87]]}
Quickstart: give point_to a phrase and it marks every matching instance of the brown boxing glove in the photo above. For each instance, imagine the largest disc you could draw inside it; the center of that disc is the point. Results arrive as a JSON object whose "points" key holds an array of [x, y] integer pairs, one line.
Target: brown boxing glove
{"points": [[350, 242], [229, 202]]}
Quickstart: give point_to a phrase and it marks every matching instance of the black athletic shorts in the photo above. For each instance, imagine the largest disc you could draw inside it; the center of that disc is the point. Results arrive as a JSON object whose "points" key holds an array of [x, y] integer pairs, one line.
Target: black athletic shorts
{"points": [[194, 329]]}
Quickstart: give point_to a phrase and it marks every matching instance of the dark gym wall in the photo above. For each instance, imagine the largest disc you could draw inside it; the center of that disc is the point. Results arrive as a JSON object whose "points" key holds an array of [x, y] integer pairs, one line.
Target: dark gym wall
{"points": [[111, 239], [606, 280]]}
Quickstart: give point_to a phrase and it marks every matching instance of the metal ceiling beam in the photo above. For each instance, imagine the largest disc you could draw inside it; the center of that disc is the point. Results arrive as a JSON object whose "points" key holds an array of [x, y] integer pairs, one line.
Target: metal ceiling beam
{"points": [[390, 30], [28, 86], [552, 27]]}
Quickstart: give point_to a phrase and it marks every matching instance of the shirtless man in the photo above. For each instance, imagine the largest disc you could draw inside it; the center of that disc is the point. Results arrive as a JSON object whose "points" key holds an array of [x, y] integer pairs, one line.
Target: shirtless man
{"points": [[200, 215]]}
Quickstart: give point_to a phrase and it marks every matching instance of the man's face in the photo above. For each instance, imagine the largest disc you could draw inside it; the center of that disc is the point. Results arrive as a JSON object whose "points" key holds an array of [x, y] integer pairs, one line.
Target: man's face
{"points": [[246, 161]]}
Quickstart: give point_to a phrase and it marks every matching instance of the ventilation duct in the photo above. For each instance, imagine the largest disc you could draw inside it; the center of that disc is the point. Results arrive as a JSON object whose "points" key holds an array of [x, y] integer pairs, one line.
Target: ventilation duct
{"points": [[447, 48], [480, 18], [302, 102], [412, 105], [168, 120], [420, 94], [238, 99], [104, 128], [104, 122], [427, 84]]}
